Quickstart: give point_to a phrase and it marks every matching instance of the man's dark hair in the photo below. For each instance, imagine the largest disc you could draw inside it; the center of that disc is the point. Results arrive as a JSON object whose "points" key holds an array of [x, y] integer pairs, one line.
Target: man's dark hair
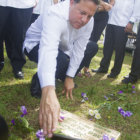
{"points": [[3, 129], [97, 2]]}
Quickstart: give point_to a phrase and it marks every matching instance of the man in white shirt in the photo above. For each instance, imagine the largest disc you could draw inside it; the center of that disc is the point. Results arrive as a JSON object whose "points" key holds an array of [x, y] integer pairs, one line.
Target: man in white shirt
{"points": [[121, 19], [63, 30], [134, 74], [15, 17]]}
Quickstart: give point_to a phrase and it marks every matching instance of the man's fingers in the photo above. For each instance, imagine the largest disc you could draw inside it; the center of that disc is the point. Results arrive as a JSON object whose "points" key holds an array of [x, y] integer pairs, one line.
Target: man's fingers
{"points": [[49, 127], [67, 94], [55, 121], [40, 119], [71, 94], [45, 124]]}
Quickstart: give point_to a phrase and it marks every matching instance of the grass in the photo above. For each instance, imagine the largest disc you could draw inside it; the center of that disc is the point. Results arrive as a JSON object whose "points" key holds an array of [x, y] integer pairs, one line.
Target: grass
{"points": [[15, 93]]}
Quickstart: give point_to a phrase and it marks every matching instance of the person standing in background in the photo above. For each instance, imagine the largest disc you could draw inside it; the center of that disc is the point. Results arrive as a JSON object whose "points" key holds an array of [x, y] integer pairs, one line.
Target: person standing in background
{"points": [[15, 18], [100, 22], [121, 20]]}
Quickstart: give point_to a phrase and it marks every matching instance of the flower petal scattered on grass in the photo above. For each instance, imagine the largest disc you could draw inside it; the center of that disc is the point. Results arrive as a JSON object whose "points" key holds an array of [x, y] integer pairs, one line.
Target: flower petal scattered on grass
{"points": [[23, 110], [97, 116], [40, 135], [91, 113], [106, 137], [133, 91], [124, 113], [83, 94], [120, 92], [62, 117], [95, 111], [13, 122], [106, 97]]}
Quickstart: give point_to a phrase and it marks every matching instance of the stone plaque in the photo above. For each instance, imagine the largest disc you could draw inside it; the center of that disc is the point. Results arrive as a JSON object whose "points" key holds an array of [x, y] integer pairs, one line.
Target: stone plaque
{"points": [[80, 128]]}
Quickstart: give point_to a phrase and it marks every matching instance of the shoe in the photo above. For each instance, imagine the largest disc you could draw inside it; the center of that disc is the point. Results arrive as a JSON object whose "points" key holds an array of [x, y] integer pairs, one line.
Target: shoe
{"points": [[1, 65], [99, 70], [126, 76], [129, 80], [112, 75], [19, 74], [35, 87]]}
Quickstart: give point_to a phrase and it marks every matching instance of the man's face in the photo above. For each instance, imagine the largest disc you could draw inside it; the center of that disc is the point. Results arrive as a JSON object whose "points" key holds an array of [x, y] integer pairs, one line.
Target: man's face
{"points": [[80, 13]]}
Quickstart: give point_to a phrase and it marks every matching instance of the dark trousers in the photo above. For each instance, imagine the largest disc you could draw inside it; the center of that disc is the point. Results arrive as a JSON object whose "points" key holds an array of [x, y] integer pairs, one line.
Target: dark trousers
{"points": [[135, 67], [99, 25], [17, 22], [115, 39], [63, 59]]}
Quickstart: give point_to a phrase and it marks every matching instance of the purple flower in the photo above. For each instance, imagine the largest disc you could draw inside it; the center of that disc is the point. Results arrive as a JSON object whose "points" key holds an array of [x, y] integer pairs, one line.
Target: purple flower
{"points": [[62, 117], [23, 110], [106, 97], [105, 137], [133, 91], [123, 113], [85, 98], [133, 86], [83, 94], [13, 122], [40, 135], [120, 109], [128, 113], [120, 92], [112, 138]]}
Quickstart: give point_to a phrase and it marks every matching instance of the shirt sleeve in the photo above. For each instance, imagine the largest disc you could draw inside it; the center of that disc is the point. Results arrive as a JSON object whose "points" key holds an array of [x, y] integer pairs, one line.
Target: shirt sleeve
{"points": [[78, 49], [136, 11], [53, 26]]}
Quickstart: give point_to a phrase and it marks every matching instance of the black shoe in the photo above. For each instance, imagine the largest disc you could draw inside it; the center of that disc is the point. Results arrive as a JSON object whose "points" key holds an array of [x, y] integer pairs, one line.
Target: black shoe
{"points": [[19, 74], [1, 65], [112, 75], [35, 87], [100, 70], [129, 80]]}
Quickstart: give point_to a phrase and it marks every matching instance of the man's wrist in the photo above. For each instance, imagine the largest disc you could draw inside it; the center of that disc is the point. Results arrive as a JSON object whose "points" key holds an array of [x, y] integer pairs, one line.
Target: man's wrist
{"points": [[69, 77]]}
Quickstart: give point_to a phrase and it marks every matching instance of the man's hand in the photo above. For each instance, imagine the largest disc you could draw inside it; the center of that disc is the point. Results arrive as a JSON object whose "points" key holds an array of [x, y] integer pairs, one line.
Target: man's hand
{"points": [[68, 87], [49, 110], [129, 28], [107, 6]]}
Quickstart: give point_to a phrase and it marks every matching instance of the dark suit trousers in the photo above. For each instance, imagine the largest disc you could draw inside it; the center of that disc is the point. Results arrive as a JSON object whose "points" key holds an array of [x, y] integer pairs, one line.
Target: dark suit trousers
{"points": [[135, 67], [14, 22], [115, 39], [63, 59], [99, 26]]}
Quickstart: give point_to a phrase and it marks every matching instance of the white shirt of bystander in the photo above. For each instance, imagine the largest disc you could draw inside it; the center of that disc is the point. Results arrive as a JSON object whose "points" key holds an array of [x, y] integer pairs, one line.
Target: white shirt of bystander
{"points": [[123, 11], [22, 4]]}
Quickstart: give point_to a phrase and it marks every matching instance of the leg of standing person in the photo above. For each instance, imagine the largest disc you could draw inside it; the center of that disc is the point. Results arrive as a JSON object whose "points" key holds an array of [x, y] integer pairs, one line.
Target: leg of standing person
{"points": [[90, 52], [18, 30], [119, 46], [3, 19], [99, 26], [135, 67], [107, 50]]}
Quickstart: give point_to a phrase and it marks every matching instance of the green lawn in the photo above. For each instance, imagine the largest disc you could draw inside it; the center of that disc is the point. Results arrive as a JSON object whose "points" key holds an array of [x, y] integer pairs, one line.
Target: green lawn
{"points": [[15, 93]]}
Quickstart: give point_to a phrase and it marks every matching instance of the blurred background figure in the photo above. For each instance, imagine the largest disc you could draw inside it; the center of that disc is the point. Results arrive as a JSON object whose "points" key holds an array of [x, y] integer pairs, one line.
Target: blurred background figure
{"points": [[14, 20], [3, 129]]}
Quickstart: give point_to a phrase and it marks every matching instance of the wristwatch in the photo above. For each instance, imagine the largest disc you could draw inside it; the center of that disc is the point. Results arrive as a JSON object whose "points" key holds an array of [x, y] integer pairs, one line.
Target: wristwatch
{"points": [[131, 22]]}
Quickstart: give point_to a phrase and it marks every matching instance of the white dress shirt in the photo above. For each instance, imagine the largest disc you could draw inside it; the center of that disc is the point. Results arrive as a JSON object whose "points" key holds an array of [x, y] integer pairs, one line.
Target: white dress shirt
{"points": [[122, 12], [42, 5], [50, 29], [22, 4]]}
